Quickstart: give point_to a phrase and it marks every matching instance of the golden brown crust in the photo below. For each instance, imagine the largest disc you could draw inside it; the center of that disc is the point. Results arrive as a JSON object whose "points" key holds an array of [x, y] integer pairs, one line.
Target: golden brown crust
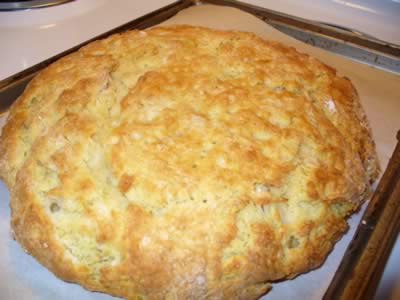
{"points": [[185, 163]]}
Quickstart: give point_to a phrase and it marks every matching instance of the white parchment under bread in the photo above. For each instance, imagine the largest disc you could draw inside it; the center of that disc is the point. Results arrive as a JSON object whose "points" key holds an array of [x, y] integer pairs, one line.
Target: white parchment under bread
{"points": [[21, 277]]}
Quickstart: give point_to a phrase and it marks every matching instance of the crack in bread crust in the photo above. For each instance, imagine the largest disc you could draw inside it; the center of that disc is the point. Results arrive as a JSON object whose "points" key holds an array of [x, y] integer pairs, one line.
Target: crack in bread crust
{"points": [[185, 163]]}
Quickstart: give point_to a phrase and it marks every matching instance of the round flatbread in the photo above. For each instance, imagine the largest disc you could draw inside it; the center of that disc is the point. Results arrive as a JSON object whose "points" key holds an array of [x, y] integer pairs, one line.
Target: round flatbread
{"points": [[185, 163]]}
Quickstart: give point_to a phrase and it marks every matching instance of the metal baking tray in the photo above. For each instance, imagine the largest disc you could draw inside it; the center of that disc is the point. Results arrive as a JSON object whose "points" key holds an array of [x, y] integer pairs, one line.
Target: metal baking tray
{"points": [[363, 263]]}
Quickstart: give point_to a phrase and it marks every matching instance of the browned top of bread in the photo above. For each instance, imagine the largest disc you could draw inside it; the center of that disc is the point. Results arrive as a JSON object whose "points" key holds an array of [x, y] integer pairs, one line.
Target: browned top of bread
{"points": [[185, 163]]}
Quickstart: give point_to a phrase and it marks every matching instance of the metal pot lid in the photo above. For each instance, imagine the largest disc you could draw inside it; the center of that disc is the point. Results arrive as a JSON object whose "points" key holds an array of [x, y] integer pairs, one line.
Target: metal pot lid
{"points": [[28, 4]]}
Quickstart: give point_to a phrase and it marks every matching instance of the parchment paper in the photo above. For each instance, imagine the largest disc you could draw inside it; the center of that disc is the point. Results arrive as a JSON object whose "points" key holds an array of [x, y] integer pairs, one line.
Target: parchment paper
{"points": [[21, 277]]}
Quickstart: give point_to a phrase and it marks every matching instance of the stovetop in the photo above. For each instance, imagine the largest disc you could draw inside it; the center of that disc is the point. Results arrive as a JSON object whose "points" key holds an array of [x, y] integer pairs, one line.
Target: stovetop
{"points": [[28, 37], [31, 36]]}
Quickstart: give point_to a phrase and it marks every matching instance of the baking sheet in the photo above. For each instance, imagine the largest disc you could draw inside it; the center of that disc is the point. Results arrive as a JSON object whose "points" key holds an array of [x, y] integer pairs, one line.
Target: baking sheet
{"points": [[21, 277]]}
